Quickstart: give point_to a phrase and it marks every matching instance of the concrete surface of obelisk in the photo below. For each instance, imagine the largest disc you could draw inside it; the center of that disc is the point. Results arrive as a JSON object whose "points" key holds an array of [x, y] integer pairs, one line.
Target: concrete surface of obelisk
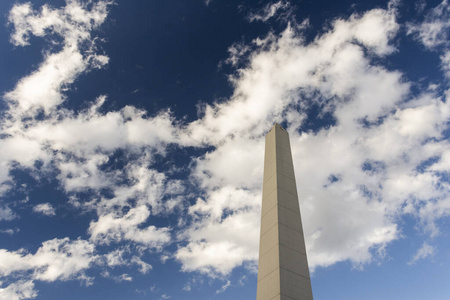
{"points": [[283, 266]]}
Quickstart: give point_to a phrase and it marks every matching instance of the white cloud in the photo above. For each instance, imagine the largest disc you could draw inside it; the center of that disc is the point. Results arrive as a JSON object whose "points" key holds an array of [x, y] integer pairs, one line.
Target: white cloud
{"points": [[110, 228], [6, 214], [375, 29], [270, 10], [224, 287], [433, 32], [445, 59], [144, 267], [119, 278], [425, 251], [116, 258], [73, 22], [18, 290], [218, 168], [45, 209], [122, 257], [218, 246], [42, 89], [57, 259], [9, 231]]}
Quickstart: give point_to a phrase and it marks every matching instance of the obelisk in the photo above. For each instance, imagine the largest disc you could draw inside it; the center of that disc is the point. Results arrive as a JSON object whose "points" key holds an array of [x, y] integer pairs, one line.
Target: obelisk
{"points": [[283, 266]]}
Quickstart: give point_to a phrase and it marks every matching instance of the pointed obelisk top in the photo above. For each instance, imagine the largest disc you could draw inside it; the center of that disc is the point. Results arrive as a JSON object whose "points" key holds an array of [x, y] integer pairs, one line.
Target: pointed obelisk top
{"points": [[276, 125]]}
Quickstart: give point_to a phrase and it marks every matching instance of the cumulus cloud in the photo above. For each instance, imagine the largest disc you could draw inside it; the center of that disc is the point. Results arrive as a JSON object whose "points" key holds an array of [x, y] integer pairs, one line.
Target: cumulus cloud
{"points": [[42, 89], [18, 290], [57, 259], [216, 247], [109, 228], [45, 209]]}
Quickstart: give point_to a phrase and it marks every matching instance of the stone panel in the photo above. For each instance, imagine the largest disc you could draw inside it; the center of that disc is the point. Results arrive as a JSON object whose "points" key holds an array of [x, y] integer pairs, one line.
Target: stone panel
{"points": [[269, 185], [270, 168], [269, 201], [269, 262], [284, 169], [291, 238], [284, 155], [293, 261], [287, 184], [295, 286], [269, 286], [268, 240], [288, 200], [289, 218], [269, 220], [271, 154]]}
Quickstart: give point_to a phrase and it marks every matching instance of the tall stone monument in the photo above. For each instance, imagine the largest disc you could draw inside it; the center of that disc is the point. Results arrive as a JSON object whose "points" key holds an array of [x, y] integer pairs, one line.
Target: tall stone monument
{"points": [[283, 267]]}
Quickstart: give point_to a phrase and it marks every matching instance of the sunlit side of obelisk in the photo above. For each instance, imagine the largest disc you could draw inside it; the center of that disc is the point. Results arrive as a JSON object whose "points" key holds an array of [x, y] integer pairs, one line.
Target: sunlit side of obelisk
{"points": [[283, 266]]}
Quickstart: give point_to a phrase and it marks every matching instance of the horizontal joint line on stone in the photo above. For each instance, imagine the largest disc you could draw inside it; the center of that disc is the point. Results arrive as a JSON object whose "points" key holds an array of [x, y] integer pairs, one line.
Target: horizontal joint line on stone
{"points": [[294, 211], [296, 195], [295, 273], [280, 243], [285, 270]]}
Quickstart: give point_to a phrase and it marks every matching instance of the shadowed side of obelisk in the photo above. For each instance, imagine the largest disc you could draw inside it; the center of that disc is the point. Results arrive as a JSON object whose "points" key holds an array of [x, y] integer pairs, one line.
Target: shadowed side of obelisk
{"points": [[283, 267]]}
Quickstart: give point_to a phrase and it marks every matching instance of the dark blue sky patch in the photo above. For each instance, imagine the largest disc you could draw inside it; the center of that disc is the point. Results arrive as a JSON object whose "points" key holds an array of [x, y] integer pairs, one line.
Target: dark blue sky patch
{"points": [[373, 167]]}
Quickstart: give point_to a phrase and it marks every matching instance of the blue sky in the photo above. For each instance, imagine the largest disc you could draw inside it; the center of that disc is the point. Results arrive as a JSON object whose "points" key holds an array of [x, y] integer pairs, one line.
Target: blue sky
{"points": [[132, 137]]}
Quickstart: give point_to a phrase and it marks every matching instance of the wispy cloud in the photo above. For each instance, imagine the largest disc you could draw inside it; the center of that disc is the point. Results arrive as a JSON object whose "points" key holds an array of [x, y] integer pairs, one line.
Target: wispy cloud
{"points": [[280, 9], [424, 252], [224, 287], [433, 32]]}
